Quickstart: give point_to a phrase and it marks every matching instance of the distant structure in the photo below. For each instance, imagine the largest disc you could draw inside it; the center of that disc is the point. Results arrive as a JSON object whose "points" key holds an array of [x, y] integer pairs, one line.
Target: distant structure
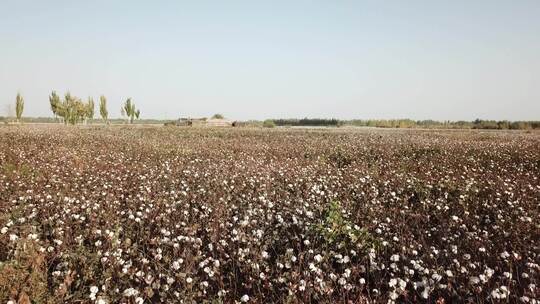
{"points": [[216, 122], [201, 122]]}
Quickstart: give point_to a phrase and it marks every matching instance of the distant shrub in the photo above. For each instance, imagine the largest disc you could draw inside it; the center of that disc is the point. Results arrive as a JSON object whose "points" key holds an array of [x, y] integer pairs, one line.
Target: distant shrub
{"points": [[269, 123], [218, 116], [248, 124]]}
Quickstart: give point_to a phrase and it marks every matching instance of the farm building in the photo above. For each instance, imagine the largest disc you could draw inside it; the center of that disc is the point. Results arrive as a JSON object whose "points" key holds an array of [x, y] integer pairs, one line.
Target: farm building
{"points": [[201, 122], [214, 122]]}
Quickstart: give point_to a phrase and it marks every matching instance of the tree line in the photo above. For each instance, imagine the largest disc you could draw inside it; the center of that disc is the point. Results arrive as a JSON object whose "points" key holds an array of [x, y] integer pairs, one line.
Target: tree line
{"points": [[409, 123], [73, 110], [433, 124], [312, 122]]}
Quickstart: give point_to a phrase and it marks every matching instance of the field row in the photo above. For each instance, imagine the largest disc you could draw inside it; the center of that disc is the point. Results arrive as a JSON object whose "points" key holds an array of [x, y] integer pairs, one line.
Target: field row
{"points": [[137, 215]]}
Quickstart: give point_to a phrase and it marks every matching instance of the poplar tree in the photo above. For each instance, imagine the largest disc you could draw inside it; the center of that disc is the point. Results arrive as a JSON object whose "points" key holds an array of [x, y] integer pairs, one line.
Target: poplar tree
{"points": [[103, 109], [19, 106]]}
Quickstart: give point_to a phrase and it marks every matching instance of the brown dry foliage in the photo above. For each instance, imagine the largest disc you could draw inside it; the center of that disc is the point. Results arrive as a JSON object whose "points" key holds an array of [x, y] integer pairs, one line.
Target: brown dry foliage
{"points": [[25, 277]]}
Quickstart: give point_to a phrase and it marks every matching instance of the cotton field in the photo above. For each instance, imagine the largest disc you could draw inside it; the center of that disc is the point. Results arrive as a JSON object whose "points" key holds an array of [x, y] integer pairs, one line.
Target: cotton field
{"points": [[180, 215]]}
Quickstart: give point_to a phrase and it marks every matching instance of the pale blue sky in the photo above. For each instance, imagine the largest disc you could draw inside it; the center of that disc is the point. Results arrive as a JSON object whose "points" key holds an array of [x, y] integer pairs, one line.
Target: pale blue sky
{"points": [[258, 59]]}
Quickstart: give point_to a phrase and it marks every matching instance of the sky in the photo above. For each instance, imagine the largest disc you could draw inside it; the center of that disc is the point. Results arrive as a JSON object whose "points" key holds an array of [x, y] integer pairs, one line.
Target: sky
{"points": [[443, 60]]}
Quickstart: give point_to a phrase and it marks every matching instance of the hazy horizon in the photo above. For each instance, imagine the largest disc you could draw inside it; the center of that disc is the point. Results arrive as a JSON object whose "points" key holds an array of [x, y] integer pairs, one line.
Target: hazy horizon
{"points": [[353, 59]]}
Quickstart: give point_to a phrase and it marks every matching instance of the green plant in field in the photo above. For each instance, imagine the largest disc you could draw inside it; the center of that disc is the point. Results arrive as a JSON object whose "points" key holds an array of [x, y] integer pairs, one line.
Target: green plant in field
{"points": [[19, 106], [269, 123], [103, 109], [8, 168], [129, 110], [13, 169], [218, 116], [336, 229], [340, 158]]}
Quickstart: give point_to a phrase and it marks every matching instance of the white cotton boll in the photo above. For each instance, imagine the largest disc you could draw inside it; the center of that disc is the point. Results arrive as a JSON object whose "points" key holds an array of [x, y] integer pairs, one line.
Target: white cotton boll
{"points": [[101, 301], [425, 293], [483, 278], [94, 289], [244, 298], [130, 292]]}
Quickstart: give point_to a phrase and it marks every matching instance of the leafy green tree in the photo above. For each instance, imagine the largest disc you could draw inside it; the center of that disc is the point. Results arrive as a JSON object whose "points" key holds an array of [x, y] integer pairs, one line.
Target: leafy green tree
{"points": [[90, 108], [130, 111], [19, 106], [71, 110], [218, 116], [74, 110], [56, 104], [103, 109]]}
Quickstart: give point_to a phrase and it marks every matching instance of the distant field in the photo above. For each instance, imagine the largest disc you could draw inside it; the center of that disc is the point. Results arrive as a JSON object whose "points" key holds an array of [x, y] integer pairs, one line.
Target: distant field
{"points": [[341, 215]]}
